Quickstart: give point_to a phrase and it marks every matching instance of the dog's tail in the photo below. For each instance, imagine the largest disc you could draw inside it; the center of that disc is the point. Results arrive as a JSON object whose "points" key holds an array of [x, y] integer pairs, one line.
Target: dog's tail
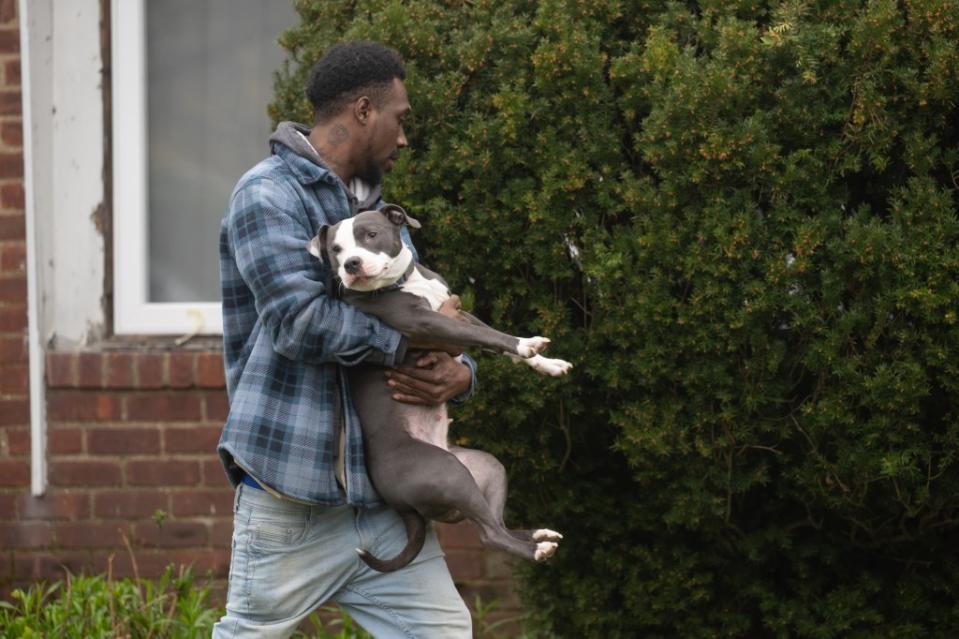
{"points": [[415, 537]]}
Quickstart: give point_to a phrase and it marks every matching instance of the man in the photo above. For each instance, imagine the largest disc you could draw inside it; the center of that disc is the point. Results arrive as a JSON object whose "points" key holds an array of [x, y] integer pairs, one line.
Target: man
{"points": [[292, 445]]}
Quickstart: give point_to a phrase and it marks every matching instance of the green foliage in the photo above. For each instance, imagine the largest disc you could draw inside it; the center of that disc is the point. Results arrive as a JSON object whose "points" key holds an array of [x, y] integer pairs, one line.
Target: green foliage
{"points": [[738, 220], [172, 607]]}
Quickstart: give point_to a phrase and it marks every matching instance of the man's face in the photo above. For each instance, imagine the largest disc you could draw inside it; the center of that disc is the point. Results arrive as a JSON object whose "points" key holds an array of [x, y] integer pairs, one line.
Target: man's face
{"points": [[386, 136]]}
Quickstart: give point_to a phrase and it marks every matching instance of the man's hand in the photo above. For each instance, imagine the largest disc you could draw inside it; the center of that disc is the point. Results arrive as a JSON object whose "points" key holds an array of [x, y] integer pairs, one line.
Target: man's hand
{"points": [[434, 378]]}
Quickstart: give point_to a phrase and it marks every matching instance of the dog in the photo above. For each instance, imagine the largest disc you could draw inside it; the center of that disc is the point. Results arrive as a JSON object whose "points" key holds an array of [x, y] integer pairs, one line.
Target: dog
{"points": [[410, 462]]}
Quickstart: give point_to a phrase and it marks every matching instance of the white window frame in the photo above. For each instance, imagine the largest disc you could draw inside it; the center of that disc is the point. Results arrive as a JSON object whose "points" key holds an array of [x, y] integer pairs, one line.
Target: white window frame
{"points": [[133, 313]]}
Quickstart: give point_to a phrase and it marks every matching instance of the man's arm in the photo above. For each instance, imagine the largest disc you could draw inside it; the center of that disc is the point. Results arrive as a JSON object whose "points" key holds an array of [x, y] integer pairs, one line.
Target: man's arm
{"points": [[268, 235], [437, 376]]}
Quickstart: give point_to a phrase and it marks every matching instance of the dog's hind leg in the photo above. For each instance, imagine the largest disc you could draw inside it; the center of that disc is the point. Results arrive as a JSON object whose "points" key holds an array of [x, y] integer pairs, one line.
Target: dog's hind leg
{"points": [[490, 476]]}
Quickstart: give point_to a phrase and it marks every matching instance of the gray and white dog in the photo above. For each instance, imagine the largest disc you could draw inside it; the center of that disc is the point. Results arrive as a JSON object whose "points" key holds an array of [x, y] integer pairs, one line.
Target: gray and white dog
{"points": [[410, 462]]}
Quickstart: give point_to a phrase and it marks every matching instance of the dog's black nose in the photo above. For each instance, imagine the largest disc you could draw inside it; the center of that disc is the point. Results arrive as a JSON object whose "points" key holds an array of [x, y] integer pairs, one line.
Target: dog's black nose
{"points": [[352, 265]]}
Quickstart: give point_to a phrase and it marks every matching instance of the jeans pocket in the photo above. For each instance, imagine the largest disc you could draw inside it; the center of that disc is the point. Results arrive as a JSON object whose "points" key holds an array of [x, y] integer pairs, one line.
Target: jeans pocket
{"points": [[272, 532]]}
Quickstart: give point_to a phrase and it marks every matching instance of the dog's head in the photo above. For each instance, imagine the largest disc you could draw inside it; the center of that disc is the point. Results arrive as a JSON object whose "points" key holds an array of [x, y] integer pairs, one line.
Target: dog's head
{"points": [[366, 251]]}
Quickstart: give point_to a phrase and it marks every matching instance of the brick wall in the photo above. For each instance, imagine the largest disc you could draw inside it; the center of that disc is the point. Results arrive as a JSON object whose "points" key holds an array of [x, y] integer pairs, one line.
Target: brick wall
{"points": [[132, 431]]}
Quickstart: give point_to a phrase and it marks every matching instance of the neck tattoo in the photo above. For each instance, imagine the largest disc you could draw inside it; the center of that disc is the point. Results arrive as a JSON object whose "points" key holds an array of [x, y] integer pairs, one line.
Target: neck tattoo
{"points": [[338, 135]]}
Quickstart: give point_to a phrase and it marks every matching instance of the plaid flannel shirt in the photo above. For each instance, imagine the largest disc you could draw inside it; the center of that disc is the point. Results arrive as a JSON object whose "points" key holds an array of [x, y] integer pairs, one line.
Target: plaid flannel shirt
{"points": [[284, 338]]}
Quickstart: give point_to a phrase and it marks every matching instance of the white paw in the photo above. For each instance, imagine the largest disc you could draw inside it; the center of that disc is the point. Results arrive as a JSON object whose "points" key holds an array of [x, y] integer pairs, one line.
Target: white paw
{"points": [[548, 366], [545, 534], [529, 346], [544, 550]]}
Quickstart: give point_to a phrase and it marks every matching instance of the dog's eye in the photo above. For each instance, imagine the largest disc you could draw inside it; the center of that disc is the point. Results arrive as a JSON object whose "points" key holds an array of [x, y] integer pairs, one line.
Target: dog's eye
{"points": [[370, 235], [337, 248]]}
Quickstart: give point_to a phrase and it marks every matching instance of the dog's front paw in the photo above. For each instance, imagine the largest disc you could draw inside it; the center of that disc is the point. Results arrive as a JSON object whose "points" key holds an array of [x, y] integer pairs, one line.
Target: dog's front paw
{"points": [[529, 346], [548, 366]]}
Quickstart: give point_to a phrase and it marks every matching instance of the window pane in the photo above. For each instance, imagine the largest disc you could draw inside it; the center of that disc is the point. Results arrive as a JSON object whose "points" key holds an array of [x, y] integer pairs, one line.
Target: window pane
{"points": [[210, 67]]}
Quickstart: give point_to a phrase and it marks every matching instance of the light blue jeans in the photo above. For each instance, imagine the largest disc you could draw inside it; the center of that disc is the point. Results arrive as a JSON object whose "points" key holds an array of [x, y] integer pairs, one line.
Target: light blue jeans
{"points": [[290, 558]]}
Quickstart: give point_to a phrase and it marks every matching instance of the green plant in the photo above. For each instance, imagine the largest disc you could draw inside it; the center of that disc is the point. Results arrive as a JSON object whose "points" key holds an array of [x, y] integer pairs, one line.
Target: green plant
{"points": [[85, 607], [339, 625], [738, 220]]}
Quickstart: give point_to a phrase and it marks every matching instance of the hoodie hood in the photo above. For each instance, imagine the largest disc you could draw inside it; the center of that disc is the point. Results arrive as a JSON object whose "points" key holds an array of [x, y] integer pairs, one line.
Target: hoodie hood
{"points": [[293, 136]]}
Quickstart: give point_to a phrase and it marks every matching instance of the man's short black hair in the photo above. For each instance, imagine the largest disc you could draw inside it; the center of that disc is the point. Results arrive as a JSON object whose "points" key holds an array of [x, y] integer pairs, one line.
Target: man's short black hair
{"points": [[348, 70]]}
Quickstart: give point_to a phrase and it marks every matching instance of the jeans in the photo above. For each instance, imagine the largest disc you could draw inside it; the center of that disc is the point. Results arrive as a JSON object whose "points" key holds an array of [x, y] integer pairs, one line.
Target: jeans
{"points": [[289, 558]]}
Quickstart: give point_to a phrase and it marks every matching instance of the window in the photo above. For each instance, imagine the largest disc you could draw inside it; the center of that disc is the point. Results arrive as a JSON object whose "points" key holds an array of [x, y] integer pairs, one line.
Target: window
{"points": [[191, 81]]}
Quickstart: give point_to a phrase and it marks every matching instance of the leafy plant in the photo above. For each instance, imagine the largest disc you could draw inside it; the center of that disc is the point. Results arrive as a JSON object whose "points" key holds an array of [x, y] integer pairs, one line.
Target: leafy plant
{"points": [[83, 607], [738, 220]]}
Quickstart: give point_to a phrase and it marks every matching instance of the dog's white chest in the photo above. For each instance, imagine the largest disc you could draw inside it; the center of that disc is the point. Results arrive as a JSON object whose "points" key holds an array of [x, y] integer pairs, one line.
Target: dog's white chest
{"points": [[433, 290]]}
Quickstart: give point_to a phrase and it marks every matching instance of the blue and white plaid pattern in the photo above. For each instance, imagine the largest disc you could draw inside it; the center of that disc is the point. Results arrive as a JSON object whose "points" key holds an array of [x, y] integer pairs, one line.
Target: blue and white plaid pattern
{"points": [[284, 338]]}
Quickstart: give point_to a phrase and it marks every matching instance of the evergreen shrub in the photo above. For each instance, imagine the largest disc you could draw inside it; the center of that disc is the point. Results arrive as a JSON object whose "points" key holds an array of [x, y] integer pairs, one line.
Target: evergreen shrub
{"points": [[738, 220]]}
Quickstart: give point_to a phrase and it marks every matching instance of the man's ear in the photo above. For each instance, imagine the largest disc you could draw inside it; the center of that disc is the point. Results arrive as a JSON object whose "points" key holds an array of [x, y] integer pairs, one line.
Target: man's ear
{"points": [[395, 214], [317, 246], [362, 108]]}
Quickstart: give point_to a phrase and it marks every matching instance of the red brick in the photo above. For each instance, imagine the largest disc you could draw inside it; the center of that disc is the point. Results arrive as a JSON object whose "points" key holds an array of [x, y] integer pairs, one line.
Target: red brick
{"points": [[164, 408], [172, 534], [10, 103], [14, 258], [13, 350], [57, 567], [8, 11], [498, 564], [22, 567], [181, 370], [62, 369], [9, 40], [221, 532], [14, 380], [65, 441], [465, 564], [8, 507], [12, 227], [119, 370], [18, 442], [85, 473], [127, 504], [13, 320], [213, 474], [209, 370], [202, 503], [14, 412], [120, 441], [11, 133], [11, 73], [82, 407], [69, 506], [149, 564], [461, 535], [217, 407], [90, 370], [191, 440], [213, 562], [11, 195], [90, 534], [25, 535], [163, 473], [13, 288], [150, 369], [11, 164]]}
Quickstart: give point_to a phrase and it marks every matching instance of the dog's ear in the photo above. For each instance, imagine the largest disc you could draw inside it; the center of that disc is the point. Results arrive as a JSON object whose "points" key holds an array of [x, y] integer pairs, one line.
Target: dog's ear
{"points": [[317, 246], [395, 214]]}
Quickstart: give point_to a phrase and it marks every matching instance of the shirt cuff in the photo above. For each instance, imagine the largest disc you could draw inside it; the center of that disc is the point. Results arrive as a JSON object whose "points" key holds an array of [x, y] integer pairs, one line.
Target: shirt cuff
{"points": [[474, 386]]}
